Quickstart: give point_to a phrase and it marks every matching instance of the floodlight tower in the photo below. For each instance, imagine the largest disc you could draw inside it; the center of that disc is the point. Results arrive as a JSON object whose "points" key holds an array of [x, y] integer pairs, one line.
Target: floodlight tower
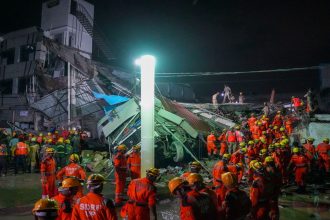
{"points": [[147, 64]]}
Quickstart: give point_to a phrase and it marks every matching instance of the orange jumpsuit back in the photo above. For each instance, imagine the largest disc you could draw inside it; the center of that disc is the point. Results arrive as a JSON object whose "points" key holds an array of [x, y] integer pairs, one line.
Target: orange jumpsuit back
{"points": [[223, 144], [48, 175], [65, 207], [134, 164], [322, 150], [93, 207], [251, 121], [300, 163], [75, 170], [211, 147], [218, 169], [120, 163], [142, 195], [310, 151]]}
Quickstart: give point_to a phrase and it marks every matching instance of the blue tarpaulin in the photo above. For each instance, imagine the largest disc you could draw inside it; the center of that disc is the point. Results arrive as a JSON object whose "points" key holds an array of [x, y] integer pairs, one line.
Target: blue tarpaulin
{"points": [[112, 100]]}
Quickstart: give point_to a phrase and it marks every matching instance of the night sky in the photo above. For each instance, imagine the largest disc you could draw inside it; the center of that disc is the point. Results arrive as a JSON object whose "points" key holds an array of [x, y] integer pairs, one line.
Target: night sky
{"points": [[203, 35]]}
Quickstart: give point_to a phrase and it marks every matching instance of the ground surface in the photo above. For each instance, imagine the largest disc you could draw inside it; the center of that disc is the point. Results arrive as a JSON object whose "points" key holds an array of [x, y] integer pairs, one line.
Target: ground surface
{"points": [[18, 194]]}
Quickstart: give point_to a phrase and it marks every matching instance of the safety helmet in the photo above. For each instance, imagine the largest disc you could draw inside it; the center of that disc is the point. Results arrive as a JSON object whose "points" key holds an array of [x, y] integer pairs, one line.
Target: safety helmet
{"points": [[194, 178], [45, 207], [121, 147], [257, 165], [40, 134], [243, 150], [259, 123], [136, 147], [49, 141], [153, 172], [223, 130], [251, 142], [262, 152], [275, 127], [242, 144], [195, 164], [263, 116], [310, 139], [239, 165], [277, 144], [238, 127], [70, 182], [263, 140], [226, 156], [67, 141], [269, 159], [263, 132], [50, 150], [295, 150], [282, 129], [56, 132], [282, 144], [278, 112], [33, 139], [95, 179], [229, 179], [175, 183], [49, 133], [256, 140], [60, 141], [251, 163], [74, 158], [326, 140]]}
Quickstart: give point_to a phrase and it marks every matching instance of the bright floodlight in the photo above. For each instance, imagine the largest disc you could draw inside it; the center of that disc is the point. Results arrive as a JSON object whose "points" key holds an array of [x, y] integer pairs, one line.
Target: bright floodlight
{"points": [[147, 64]]}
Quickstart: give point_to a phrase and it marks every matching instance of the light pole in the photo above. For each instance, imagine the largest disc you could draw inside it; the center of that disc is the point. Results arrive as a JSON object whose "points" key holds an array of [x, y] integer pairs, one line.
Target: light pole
{"points": [[147, 64]]}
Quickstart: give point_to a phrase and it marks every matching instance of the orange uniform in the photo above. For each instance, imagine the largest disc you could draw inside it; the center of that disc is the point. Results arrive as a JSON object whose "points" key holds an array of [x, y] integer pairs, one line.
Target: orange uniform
{"points": [[301, 164], [256, 132], [236, 204], [65, 207], [223, 144], [93, 207], [218, 169], [309, 151], [322, 150], [134, 164], [211, 147], [185, 175], [120, 164], [278, 120], [251, 122], [288, 126], [73, 170], [142, 196], [48, 176]]}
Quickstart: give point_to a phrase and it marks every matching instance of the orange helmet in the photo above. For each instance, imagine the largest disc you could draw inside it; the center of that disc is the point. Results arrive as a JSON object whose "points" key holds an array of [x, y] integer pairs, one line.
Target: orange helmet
{"points": [[121, 147], [70, 182], [175, 183], [136, 147], [45, 207], [153, 172], [74, 158], [195, 164], [50, 150], [95, 179], [194, 178], [49, 141], [229, 180]]}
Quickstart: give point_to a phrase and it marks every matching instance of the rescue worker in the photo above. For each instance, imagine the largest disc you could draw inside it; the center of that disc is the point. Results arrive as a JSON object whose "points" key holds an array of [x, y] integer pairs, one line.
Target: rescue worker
{"points": [[3, 159], [73, 170], [297, 103], [219, 168], [301, 167], [120, 164], [21, 152], [278, 119], [288, 125], [309, 149], [48, 174], [236, 204], [45, 209], [231, 140], [134, 162], [223, 144], [65, 198], [40, 138], [239, 134], [194, 167], [94, 206], [141, 204], [210, 145], [251, 153], [261, 191], [262, 155], [322, 151], [34, 153], [251, 121], [61, 154], [193, 205], [256, 131], [239, 155]]}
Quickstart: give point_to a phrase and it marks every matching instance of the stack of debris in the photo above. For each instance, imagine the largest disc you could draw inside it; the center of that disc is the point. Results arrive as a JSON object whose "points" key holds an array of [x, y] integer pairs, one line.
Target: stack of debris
{"points": [[97, 162]]}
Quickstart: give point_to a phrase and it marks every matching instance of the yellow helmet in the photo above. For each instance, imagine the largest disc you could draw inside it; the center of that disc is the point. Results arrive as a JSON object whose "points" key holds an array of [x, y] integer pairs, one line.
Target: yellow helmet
{"points": [[194, 178], [277, 144], [269, 159], [136, 147], [45, 207], [295, 150], [251, 163], [40, 134], [257, 165], [271, 147], [60, 141], [95, 179], [49, 141], [263, 140], [275, 127], [242, 144], [251, 142], [238, 127], [195, 164], [33, 139], [229, 179], [67, 141], [74, 158], [226, 156], [326, 140], [50, 150], [282, 129], [263, 152], [121, 147], [175, 183], [153, 172], [243, 150], [70, 182], [310, 139], [49, 133]]}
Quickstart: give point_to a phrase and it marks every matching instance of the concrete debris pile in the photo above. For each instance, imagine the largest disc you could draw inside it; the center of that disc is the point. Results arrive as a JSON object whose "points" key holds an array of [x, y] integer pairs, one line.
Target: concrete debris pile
{"points": [[96, 161]]}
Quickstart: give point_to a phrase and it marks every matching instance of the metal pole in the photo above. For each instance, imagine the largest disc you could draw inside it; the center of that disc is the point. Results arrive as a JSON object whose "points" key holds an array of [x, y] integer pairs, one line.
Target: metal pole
{"points": [[147, 64], [69, 94]]}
